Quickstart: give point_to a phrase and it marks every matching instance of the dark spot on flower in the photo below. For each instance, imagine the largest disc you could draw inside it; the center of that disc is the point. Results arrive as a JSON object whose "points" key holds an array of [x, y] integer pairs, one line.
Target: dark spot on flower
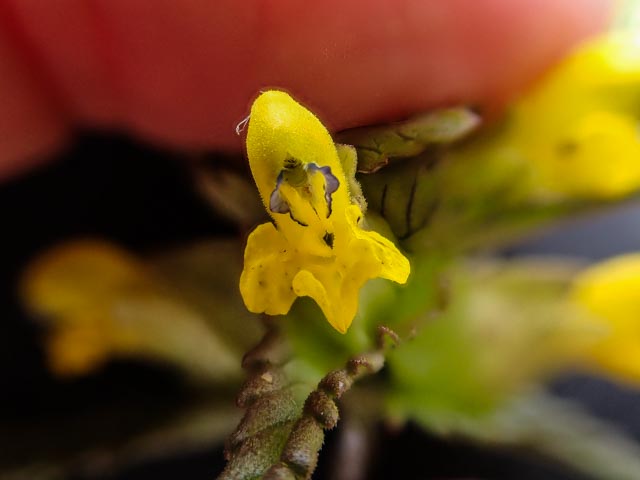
{"points": [[328, 239], [290, 163], [566, 148]]}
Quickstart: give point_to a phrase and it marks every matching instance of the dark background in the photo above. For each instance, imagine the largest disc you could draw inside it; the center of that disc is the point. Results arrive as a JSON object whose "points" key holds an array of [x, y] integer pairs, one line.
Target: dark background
{"points": [[142, 198]]}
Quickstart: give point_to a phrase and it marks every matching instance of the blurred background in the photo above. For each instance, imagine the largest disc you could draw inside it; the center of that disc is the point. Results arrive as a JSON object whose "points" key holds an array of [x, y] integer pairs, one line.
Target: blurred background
{"points": [[108, 186]]}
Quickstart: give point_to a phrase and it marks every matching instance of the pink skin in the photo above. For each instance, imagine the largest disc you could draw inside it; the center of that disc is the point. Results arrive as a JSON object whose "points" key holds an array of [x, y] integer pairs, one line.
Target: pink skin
{"points": [[183, 73]]}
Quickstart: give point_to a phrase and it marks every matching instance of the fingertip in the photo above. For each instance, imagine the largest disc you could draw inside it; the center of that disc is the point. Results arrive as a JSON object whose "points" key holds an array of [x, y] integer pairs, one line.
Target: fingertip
{"points": [[388, 59], [31, 128], [187, 74]]}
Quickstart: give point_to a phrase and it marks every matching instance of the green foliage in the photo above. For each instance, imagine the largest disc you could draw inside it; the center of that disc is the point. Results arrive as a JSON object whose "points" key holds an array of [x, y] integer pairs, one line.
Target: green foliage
{"points": [[455, 201], [504, 328], [552, 427], [377, 146], [281, 434]]}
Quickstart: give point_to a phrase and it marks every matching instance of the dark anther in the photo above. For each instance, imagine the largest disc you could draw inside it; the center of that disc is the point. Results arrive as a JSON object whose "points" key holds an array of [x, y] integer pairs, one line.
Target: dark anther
{"points": [[290, 163], [328, 239]]}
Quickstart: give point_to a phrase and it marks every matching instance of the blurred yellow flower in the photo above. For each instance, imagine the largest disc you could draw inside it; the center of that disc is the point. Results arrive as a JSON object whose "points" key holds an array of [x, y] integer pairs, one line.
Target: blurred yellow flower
{"points": [[579, 125], [611, 292], [98, 302], [316, 245]]}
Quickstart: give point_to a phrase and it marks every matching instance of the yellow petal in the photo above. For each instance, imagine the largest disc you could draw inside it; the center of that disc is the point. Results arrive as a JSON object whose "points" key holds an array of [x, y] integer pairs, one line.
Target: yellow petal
{"points": [[611, 291], [382, 257], [599, 155], [578, 127], [338, 308], [80, 275], [265, 283], [281, 128], [77, 348], [310, 235], [359, 256]]}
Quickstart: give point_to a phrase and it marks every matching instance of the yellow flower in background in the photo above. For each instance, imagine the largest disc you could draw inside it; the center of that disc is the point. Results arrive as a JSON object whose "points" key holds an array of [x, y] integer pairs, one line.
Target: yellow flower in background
{"points": [[69, 289], [611, 292], [97, 303], [316, 245], [579, 126]]}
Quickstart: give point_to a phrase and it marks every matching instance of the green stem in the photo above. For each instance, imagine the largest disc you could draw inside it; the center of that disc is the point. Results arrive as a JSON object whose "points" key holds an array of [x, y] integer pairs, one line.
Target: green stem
{"points": [[282, 431], [320, 412]]}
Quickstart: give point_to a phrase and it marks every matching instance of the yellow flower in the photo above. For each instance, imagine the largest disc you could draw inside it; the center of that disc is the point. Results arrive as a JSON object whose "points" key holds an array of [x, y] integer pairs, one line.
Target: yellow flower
{"points": [[579, 126], [611, 292], [315, 246], [97, 303]]}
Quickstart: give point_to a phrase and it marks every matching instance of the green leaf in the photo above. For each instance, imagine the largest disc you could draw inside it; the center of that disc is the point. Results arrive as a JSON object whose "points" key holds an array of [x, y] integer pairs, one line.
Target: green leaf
{"points": [[378, 145], [468, 197]]}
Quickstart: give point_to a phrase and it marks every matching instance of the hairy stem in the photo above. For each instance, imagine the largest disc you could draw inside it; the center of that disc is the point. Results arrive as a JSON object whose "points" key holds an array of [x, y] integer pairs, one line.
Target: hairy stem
{"points": [[282, 431]]}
